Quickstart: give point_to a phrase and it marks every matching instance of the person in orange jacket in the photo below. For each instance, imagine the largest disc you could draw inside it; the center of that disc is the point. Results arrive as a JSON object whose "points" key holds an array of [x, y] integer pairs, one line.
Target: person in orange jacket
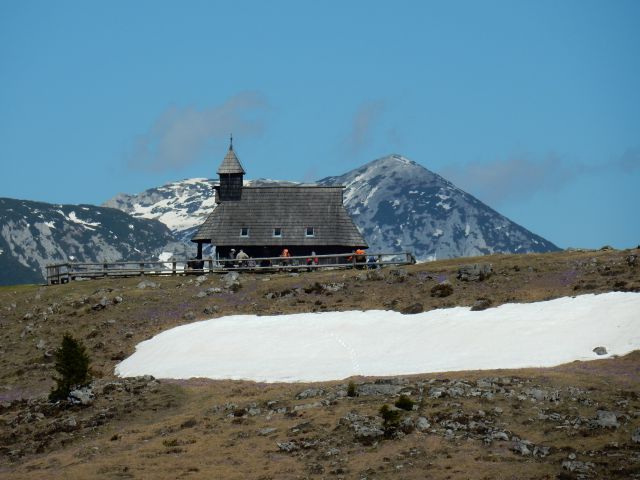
{"points": [[285, 255]]}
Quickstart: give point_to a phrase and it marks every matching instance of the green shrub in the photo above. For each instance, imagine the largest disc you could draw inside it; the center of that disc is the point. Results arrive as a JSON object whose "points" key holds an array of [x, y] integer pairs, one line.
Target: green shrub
{"points": [[405, 403], [72, 365], [351, 390]]}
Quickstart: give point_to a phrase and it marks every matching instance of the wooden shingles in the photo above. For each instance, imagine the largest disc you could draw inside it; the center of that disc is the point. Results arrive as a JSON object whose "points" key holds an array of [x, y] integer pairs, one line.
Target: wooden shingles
{"points": [[290, 208]]}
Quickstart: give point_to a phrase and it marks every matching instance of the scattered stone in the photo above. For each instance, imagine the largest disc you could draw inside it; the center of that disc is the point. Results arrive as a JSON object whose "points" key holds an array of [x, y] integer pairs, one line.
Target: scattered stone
{"points": [[117, 300], [577, 466], [333, 287], [41, 345], [70, 424], [600, 351], [606, 419], [190, 316], [502, 436], [373, 275], [81, 396], [231, 281], [309, 393], [413, 309], [211, 309], [101, 305], [422, 424], [398, 275], [632, 260], [407, 425], [378, 389], [635, 436], [442, 290], [147, 284], [481, 304], [201, 278], [475, 272], [288, 446], [307, 406], [522, 447], [263, 432]]}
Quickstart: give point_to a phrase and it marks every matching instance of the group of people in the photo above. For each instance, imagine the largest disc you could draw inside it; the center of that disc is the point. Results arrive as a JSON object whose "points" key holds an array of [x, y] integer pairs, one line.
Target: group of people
{"points": [[241, 259]]}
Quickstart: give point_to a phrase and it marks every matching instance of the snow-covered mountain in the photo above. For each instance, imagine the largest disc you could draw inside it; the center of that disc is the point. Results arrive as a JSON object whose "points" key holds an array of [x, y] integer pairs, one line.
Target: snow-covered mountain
{"points": [[34, 234], [400, 205], [396, 203]]}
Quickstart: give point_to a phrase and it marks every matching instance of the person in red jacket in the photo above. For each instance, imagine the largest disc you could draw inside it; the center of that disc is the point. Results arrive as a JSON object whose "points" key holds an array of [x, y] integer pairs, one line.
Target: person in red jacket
{"points": [[312, 260]]}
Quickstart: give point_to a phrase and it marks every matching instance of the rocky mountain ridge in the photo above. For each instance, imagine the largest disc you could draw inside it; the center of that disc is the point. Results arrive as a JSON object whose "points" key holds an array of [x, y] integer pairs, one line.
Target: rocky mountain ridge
{"points": [[395, 202], [34, 234]]}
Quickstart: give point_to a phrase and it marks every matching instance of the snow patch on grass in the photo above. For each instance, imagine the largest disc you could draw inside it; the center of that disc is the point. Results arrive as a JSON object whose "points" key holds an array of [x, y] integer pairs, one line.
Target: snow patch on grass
{"points": [[334, 345]]}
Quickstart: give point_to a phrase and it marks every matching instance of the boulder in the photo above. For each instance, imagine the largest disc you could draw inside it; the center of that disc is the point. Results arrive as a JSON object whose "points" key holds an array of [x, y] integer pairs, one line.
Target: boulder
{"points": [[147, 284], [442, 290], [412, 309], [635, 436], [481, 304], [606, 419], [600, 351], [522, 447], [475, 272], [231, 281], [310, 393], [378, 389], [287, 447], [422, 424], [81, 396]]}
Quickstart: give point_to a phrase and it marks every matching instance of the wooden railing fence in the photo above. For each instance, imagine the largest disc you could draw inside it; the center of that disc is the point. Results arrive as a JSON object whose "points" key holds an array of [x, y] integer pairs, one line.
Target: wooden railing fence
{"points": [[65, 272]]}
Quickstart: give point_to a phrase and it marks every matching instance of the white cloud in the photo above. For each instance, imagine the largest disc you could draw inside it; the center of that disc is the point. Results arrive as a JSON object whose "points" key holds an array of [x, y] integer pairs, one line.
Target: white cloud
{"points": [[181, 135]]}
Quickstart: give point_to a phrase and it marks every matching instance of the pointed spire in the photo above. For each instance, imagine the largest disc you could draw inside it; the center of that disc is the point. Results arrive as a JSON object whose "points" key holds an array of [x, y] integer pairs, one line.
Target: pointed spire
{"points": [[231, 164]]}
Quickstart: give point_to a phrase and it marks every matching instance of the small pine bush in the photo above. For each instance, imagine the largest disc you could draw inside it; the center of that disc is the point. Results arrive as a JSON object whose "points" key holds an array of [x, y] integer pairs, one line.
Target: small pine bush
{"points": [[405, 403], [390, 419], [351, 390], [72, 365]]}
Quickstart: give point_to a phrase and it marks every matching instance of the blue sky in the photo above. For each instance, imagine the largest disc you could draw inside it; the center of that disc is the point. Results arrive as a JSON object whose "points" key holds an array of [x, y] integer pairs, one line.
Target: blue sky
{"points": [[534, 107]]}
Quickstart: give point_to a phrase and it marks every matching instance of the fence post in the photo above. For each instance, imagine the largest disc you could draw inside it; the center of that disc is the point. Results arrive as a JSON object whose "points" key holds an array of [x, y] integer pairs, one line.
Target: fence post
{"points": [[210, 262], [173, 267], [142, 269]]}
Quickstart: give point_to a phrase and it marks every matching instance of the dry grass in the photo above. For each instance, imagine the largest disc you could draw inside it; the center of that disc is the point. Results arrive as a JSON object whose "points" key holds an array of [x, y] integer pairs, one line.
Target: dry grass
{"points": [[181, 428]]}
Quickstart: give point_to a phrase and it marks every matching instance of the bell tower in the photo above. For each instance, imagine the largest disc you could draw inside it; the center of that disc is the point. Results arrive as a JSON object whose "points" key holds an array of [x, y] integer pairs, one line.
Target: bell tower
{"points": [[231, 176]]}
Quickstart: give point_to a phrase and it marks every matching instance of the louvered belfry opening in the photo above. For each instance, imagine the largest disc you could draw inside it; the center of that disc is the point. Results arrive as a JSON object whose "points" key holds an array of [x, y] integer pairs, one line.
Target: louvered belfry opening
{"points": [[230, 187]]}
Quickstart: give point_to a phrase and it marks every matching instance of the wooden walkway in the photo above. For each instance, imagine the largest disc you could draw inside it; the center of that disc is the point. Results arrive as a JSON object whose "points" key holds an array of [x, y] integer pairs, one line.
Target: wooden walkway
{"points": [[65, 272]]}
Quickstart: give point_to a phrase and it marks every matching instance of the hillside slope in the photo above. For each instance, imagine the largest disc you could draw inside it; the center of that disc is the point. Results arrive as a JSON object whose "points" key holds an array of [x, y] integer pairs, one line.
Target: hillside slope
{"points": [[571, 421]]}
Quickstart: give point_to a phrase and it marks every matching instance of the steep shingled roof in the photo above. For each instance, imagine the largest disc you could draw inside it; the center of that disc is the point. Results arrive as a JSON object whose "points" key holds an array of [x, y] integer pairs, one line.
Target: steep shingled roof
{"points": [[230, 164], [290, 208]]}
